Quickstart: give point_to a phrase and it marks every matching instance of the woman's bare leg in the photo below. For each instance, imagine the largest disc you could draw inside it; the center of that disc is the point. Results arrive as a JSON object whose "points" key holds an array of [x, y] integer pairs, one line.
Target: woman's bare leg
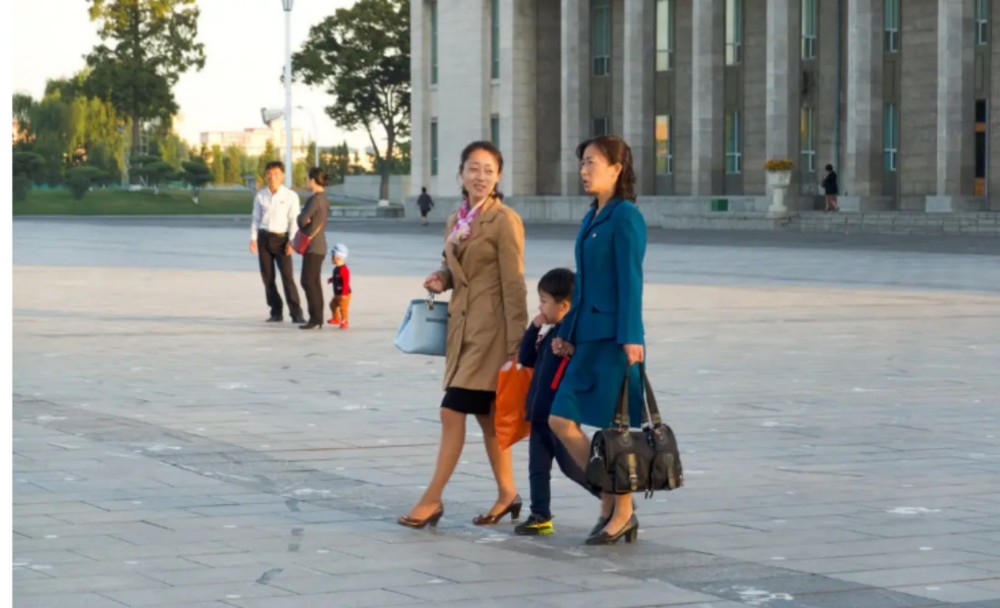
{"points": [[450, 450], [622, 513], [578, 445], [501, 463]]}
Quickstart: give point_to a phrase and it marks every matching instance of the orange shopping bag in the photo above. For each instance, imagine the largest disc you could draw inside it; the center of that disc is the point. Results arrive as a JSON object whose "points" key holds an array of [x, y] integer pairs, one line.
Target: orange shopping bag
{"points": [[511, 406]]}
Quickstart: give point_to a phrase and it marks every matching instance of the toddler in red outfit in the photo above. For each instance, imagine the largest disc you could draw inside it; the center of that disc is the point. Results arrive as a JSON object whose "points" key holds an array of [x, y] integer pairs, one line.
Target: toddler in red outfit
{"points": [[341, 280]]}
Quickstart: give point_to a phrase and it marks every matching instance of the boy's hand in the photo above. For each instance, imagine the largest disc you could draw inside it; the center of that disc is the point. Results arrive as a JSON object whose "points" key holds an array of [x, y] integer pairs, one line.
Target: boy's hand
{"points": [[562, 348], [330, 280], [539, 320]]}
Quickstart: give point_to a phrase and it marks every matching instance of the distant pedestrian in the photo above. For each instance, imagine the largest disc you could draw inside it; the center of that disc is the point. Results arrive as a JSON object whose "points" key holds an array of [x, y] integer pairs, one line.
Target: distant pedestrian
{"points": [[425, 204], [272, 228], [313, 221], [340, 305], [831, 188]]}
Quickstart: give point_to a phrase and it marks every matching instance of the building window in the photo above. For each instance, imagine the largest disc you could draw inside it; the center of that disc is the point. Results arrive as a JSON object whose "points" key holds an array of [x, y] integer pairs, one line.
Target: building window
{"points": [[600, 127], [601, 43], [734, 32], [664, 35], [434, 42], [809, 29], [434, 147], [494, 39], [495, 130], [664, 146], [890, 137], [982, 22], [734, 154], [806, 139], [891, 26]]}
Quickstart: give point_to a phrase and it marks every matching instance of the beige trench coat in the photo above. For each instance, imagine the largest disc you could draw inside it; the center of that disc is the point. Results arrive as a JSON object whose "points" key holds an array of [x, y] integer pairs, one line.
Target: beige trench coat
{"points": [[488, 311]]}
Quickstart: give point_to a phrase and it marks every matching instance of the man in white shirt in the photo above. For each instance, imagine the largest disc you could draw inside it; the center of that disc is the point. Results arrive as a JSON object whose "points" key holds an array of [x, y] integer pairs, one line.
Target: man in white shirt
{"points": [[275, 209]]}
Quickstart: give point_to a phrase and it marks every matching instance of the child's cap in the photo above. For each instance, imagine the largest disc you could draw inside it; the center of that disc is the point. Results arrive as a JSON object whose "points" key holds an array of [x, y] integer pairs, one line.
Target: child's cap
{"points": [[340, 250]]}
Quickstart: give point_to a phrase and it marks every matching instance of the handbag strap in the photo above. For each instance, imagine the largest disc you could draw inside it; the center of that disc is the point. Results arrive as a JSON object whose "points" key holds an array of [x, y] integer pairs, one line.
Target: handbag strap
{"points": [[650, 411]]}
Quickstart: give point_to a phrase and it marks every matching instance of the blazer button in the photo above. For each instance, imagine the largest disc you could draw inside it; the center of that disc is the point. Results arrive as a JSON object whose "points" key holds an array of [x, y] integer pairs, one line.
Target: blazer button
{"points": [[593, 236]]}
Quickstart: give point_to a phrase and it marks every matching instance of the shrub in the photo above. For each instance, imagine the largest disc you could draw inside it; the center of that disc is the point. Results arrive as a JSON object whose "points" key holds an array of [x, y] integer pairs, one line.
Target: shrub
{"points": [[80, 179], [21, 186], [778, 164]]}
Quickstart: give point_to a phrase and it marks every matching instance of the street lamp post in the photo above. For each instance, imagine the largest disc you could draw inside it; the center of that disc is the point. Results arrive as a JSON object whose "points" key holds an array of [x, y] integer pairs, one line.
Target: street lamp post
{"points": [[289, 166], [312, 119]]}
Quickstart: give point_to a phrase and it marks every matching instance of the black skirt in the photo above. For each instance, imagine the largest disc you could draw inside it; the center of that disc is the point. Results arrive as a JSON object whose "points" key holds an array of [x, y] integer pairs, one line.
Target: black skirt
{"points": [[468, 401]]}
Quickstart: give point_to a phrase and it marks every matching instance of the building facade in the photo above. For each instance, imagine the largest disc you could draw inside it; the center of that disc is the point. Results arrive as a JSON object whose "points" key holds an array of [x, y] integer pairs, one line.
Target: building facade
{"points": [[253, 141], [902, 98]]}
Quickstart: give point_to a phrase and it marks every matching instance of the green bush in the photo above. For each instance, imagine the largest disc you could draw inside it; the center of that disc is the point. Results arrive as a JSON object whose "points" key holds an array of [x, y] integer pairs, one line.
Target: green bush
{"points": [[21, 186], [80, 179]]}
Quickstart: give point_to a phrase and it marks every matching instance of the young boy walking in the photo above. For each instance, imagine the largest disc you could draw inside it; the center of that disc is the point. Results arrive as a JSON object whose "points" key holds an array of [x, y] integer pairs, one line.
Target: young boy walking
{"points": [[555, 291], [340, 305]]}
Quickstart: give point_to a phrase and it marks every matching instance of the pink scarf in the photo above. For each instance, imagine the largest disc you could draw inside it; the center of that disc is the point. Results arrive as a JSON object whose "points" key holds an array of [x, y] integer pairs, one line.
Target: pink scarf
{"points": [[463, 222]]}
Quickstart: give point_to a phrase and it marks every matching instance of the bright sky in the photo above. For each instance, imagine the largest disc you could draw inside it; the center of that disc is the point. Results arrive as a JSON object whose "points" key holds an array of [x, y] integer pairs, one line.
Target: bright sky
{"points": [[244, 59]]}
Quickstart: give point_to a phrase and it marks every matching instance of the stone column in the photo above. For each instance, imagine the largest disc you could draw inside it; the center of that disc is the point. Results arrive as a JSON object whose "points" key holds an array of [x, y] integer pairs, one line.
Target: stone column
{"points": [[955, 108], [420, 63], [517, 96], [575, 57], [637, 89], [707, 51], [861, 177], [783, 78]]}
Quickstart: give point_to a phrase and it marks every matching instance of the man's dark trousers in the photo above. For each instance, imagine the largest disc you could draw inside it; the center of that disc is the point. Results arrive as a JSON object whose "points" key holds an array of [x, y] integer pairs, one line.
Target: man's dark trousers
{"points": [[271, 252]]}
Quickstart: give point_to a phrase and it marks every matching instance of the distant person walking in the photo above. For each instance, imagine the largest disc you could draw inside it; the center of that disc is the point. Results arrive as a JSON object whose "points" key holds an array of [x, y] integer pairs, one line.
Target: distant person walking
{"points": [[831, 188], [425, 204], [313, 221], [272, 228]]}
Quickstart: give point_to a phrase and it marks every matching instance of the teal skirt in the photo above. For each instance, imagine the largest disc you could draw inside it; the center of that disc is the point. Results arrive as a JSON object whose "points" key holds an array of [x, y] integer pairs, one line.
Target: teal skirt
{"points": [[588, 393]]}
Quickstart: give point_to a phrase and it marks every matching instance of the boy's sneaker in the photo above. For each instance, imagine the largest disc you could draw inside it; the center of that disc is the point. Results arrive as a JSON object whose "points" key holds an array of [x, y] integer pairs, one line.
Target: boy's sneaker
{"points": [[536, 525]]}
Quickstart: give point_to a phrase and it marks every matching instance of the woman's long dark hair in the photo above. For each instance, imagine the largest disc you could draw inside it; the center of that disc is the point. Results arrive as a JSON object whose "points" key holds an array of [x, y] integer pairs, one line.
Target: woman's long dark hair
{"points": [[319, 176], [489, 147], [616, 151]]}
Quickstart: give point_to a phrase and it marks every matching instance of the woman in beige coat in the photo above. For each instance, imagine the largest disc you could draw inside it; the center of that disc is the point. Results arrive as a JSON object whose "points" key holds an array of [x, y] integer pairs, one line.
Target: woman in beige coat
{"points": [[487, 314]]}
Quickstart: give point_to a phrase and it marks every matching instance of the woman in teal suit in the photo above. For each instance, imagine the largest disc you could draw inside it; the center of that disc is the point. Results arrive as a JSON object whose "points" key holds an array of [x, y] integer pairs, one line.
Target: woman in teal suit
{"points": [[603, 332]]}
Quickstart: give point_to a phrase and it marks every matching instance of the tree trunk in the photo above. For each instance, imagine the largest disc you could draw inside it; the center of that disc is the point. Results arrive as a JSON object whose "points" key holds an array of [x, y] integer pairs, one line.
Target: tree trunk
{"points": [[132, 147], [383, 192]]}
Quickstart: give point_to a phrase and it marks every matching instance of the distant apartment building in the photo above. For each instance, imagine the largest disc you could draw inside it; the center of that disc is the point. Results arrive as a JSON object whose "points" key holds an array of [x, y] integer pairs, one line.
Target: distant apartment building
{"points": [[253, 141], [902, 98]]}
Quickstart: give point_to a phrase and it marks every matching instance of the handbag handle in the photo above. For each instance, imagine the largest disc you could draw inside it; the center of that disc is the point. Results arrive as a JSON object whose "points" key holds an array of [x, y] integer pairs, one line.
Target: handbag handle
{"points": [[650, 412]]}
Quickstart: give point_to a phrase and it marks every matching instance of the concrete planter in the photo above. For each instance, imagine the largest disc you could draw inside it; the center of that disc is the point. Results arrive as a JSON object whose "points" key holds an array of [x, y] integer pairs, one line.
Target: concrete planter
{"points": [[778, 182]]}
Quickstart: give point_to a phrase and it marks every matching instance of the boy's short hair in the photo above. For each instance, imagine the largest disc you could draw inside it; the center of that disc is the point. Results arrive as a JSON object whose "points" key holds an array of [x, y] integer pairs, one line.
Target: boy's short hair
{"points": [[274, 164], [558, 283]]}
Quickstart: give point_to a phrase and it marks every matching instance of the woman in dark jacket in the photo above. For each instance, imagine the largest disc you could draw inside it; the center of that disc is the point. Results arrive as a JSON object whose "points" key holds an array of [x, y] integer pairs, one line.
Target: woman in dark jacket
{"points": [[603, 332], [313, 221], [831, 189]]}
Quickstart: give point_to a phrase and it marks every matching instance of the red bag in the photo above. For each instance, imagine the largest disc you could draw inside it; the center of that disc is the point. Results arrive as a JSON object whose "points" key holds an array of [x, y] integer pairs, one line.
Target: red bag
{"points": [[511, 405]]}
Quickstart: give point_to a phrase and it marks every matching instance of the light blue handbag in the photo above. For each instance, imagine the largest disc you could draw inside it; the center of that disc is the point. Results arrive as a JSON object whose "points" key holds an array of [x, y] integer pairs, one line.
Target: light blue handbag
{"points": [[424, 330]]}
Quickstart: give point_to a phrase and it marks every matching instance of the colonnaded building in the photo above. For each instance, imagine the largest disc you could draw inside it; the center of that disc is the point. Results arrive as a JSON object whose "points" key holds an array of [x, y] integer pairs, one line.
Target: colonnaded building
{"points": [[902, 97]]}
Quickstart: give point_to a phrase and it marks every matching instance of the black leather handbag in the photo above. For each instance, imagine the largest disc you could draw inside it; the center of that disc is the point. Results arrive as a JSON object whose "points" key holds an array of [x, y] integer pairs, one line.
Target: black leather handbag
{"points": [[623, 460]]}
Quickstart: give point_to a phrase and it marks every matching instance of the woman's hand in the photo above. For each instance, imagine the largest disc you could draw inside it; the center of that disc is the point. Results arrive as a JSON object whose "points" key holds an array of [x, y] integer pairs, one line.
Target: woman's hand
{"points": [[562, 348], [434, 283], [635, 353]]}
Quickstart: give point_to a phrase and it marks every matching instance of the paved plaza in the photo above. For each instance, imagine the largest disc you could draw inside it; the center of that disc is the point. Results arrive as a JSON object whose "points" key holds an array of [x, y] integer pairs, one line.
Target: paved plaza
{"points": [[835, 399]]}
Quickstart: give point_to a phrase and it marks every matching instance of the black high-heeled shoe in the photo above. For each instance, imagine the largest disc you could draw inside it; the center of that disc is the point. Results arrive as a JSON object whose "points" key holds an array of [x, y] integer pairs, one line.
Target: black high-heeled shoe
{"points": [[514, 508], [432, 520], [630, 531], [601, 522]]}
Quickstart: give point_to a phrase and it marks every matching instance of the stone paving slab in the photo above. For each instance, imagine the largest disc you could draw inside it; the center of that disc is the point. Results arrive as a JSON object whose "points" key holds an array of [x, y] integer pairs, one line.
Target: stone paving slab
{"points": [[839, 426]]}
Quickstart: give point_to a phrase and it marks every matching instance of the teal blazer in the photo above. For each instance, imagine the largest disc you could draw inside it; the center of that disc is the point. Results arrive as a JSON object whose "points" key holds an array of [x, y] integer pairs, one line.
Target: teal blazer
{"points": [[607, 298]]}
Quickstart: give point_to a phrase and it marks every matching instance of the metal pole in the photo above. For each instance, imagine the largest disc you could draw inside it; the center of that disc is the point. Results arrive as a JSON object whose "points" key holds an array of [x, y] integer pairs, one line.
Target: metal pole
{"points": [[289, 166]]}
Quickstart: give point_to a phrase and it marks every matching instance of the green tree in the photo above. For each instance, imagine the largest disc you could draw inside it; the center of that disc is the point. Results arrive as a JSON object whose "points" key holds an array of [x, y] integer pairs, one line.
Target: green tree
{"points": [[153, 170], [233, 165], [361, 55], [52, 125], [26, 165], [270, 153], [218, 166], [173, 149], [21, 105], [196, 174], [300, 173], [145, 46], [81, 179]]}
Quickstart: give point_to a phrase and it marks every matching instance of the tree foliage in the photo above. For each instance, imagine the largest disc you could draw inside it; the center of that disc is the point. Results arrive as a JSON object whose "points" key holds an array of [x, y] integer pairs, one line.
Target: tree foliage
{"points": [[145, 46], [153, 170], [25, 166], [196, 174], [361, 56], [81, 179]]}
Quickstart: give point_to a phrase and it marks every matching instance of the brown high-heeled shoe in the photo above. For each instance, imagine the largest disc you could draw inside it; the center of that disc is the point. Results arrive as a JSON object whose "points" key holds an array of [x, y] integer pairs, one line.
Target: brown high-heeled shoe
{"points": [[432, 520], [514, 508]]}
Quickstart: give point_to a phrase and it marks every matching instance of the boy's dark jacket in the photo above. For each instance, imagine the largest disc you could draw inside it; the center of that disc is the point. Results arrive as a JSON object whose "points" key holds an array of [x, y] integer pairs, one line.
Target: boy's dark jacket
{"points": [[539, 356]]}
